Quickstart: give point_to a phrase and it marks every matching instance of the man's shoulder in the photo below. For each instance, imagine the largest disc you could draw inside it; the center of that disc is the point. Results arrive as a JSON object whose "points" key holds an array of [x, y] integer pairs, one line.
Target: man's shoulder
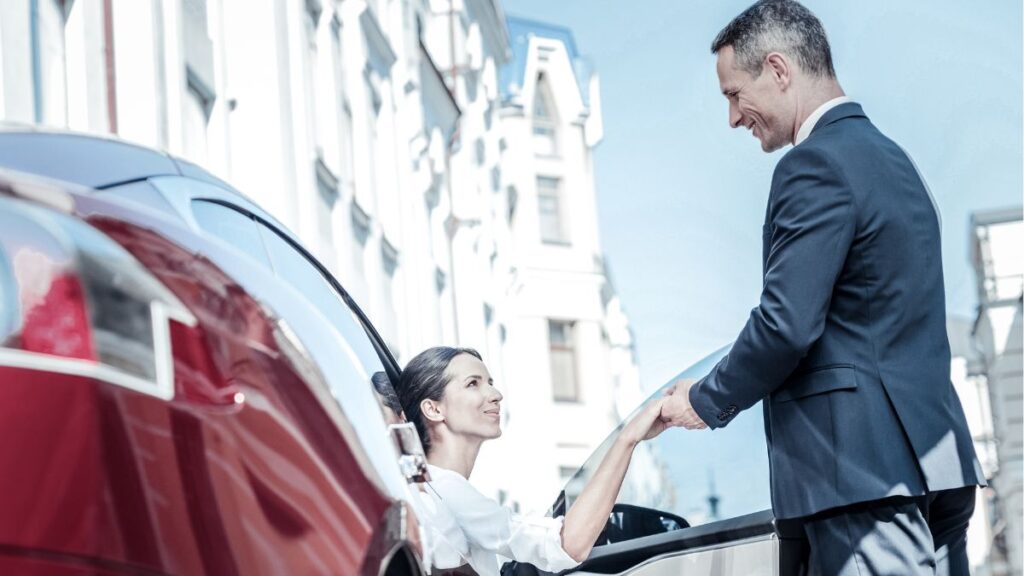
{"points": [[807, 157], [835, 146], [804, 172]]}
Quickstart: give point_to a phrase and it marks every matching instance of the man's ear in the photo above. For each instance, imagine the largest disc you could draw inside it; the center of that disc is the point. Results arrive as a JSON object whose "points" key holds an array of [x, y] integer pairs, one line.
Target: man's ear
{"points": [[431, 410], [779, 67]]}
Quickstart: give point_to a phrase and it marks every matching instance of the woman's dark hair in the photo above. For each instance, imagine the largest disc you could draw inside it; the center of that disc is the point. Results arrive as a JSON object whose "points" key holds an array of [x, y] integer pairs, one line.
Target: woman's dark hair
{"points": [[423, 378], [382, 384]]}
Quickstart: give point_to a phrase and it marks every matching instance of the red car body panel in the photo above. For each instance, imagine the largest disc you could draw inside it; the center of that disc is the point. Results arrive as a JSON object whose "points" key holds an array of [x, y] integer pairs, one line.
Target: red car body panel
{"points": [[244, 471]]}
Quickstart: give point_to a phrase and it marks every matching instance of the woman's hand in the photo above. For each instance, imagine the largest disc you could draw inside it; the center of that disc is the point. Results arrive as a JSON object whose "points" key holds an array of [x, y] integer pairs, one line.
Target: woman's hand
{"points": [[646, 424], [589, 513]]}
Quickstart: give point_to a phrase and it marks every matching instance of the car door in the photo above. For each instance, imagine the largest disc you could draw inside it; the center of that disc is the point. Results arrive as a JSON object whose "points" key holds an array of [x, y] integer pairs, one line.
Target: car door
{"points": [[337, 343], [692, 502]]}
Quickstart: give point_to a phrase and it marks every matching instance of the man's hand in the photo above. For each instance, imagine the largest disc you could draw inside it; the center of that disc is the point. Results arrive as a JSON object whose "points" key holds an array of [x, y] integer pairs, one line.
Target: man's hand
{"points": [[677, 411]]}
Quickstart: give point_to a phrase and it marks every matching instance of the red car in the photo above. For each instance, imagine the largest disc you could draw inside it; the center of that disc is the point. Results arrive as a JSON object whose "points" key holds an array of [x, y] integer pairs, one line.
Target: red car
{"points": [[183, 388]]}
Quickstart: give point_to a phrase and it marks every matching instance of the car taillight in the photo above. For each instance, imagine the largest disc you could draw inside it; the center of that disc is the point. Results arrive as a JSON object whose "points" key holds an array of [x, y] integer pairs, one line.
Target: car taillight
{"points": [[58, 323], [72, 300]]}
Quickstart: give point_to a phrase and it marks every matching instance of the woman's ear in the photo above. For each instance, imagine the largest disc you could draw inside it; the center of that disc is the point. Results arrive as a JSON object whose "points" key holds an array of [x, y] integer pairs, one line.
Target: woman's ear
{"points": [[431, 410]]}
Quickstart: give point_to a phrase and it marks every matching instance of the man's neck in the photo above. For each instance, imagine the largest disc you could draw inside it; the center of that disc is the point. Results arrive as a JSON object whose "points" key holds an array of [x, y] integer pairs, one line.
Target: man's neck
{"points": [[814, 96]]}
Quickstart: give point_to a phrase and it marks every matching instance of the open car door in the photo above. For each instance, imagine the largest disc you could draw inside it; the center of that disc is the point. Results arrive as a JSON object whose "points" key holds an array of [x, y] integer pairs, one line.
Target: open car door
{"points": [[693, 503]]}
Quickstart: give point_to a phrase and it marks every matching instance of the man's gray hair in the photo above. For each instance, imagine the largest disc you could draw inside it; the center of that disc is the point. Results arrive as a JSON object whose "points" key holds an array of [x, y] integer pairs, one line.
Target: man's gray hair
{"points": [[783, 26]]}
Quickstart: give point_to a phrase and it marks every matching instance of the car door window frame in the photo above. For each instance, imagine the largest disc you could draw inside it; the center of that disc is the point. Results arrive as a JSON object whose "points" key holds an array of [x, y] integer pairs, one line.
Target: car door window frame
{"points": [[181, 191]]}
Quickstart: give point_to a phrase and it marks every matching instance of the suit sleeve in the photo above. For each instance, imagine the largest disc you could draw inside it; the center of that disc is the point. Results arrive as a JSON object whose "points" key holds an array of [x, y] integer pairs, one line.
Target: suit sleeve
{"points": [[811, 211]]}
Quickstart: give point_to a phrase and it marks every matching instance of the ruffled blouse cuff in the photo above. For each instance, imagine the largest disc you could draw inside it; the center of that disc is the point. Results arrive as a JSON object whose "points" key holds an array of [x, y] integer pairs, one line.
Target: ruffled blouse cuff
{"points": [[539, 542]]}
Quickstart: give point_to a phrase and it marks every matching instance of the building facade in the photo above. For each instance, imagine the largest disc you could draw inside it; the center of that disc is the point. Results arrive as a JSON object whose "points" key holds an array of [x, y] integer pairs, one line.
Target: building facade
{"points": [[996, 369], [436, 156], [570, 353], [972, 390]]}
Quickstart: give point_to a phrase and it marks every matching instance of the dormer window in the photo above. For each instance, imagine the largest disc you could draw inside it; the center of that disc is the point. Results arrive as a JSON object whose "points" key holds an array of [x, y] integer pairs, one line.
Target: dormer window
{"points": [[545, 120]]}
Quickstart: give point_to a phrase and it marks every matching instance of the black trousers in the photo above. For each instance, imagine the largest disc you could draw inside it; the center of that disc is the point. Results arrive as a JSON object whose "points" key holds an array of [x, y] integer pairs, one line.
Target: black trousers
{"points": [[897, 536]]}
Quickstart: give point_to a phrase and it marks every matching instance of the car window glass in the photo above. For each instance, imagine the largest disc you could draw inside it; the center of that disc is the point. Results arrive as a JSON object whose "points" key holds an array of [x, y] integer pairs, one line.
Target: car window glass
{"points": [[293, 267], [9, 312], [231, 226], [141, 192], [701, 476]]}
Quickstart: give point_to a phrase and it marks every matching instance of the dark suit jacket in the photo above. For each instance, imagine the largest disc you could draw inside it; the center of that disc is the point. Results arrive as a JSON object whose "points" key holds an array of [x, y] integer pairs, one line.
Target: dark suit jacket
{"points": [[848, 345]]}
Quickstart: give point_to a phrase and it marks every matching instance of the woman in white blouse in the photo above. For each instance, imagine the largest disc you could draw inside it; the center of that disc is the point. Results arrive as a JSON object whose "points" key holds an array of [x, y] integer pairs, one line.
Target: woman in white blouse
{"points": [[450, 397]]}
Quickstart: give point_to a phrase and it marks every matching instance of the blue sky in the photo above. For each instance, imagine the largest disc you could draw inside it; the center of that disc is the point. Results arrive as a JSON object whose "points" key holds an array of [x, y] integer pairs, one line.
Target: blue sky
{"points": [[682, 196]]}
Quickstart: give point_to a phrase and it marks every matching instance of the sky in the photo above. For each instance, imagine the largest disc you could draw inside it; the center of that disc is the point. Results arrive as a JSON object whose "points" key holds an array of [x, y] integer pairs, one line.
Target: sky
{"points": [[682, 197]]}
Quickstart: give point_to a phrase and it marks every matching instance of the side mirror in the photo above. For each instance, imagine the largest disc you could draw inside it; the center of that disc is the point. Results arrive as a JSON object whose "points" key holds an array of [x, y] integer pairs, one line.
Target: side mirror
{"points": [[411, 458], [628, 522]]}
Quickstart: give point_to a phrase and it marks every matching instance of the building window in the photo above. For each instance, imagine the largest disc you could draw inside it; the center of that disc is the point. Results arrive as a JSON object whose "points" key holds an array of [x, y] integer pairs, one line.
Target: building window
{"points": [[345, 145], [198, 105], [361, 234], [495, 178], [488, 315], [389, 262], [480, 151], [200, 80], [327, 186], [549, 206], [48, 61], [440, 283], [545, 121], [563, 360], [513, 200], [311, 69], [372, 144]]}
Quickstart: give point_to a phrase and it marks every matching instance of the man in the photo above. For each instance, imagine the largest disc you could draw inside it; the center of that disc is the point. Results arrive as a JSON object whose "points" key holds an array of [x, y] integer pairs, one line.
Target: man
{"points": [[868, 444]]}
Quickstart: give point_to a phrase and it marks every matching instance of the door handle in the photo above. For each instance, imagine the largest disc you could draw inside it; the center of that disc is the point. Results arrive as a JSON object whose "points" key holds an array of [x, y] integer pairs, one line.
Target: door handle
{"points": [[412, 459]]}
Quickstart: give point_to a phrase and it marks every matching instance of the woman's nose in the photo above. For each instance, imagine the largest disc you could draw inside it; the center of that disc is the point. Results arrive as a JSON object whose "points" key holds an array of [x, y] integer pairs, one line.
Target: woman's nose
{"points": [[495, 395]]}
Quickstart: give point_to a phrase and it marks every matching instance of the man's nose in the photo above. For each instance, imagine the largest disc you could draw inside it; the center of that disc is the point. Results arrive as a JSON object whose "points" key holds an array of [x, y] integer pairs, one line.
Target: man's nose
{"points": [[734, 116]]}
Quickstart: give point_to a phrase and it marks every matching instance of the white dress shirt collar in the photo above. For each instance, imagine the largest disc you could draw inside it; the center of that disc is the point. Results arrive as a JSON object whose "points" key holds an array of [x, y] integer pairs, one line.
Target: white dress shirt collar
{"points": [[808, 125]]}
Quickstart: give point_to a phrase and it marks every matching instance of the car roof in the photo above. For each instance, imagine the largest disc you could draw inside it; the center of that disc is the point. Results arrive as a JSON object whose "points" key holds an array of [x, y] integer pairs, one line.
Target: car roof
{"points": [[87, 160], [100, 161]]}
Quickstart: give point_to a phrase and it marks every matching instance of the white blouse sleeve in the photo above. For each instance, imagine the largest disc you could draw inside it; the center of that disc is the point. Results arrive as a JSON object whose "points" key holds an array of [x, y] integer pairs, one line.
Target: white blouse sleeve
{"points": [[493, 527]]}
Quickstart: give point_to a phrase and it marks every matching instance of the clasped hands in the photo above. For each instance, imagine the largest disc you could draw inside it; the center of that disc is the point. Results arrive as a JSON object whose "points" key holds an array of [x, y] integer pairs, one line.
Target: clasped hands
{"points": [[676, 409], [672, 409]]}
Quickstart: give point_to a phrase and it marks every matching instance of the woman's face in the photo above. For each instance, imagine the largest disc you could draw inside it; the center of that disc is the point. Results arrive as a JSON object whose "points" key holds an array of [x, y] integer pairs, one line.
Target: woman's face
{"points": [[471, 404]]}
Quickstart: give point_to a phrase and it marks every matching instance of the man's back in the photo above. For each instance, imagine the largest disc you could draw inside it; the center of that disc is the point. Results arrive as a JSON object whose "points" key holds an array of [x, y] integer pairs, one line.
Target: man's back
{"points": [[868, 445], [885, 316]]}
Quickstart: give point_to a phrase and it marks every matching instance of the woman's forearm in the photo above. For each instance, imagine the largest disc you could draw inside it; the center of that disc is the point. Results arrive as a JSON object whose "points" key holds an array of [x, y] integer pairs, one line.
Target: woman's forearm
{"points": [[589, 513]]}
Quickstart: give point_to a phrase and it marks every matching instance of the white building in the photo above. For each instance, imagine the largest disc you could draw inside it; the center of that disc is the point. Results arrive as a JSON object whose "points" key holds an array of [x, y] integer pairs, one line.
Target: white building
{"points": [[972, 389], [569, 354], [997, 237], [439, 165]]}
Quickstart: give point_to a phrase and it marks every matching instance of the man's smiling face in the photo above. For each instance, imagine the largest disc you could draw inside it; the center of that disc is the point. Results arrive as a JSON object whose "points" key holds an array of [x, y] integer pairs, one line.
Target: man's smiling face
{"points": [[754, 103]]}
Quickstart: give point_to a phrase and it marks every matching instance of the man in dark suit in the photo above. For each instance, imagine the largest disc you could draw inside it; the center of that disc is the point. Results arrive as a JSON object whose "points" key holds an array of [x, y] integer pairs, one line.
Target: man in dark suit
{"points": [[868, 445]]}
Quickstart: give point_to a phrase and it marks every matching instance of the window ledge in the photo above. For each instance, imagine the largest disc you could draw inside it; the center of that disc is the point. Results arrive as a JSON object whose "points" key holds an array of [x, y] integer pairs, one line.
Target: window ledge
{"points": [[557, 243]]}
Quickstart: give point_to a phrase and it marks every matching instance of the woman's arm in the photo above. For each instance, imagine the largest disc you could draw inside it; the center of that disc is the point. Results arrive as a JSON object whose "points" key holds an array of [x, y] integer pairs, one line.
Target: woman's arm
{"points": [[589, 513]]}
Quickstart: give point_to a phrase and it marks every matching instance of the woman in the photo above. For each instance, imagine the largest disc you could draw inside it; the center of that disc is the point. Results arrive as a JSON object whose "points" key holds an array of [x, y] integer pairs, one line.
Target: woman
{"points": [[450, 397]]}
